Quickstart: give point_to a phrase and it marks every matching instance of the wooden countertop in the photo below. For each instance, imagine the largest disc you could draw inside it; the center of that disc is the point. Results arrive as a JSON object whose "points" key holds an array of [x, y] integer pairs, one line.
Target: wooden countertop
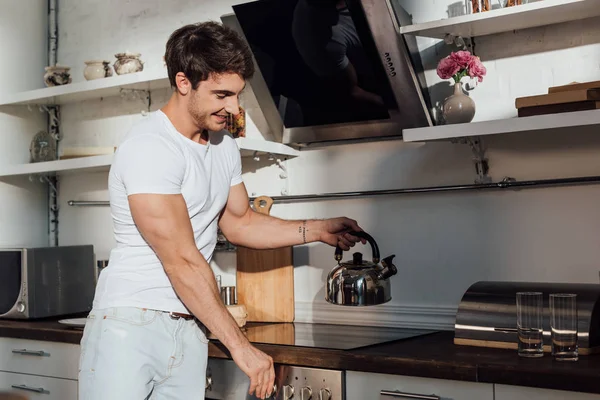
{"points": [[431, 356], [49, 330]]}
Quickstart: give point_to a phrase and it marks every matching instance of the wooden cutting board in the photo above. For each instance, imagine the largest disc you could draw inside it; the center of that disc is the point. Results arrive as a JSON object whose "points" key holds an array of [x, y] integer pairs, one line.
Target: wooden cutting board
{"points": [[570, 96], [283, 334], [265, 278], [559, 108], [574, 86]]}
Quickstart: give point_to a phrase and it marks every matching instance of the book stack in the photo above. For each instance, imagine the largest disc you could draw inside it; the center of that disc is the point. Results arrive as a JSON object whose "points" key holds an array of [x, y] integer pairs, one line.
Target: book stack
{"points": [[567, 98]]}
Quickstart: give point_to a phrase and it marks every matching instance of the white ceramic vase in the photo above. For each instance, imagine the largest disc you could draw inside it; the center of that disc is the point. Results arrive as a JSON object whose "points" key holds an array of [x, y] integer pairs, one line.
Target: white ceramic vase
{"points": [[458, 108], [128, 63], [57, 75], [96, 69]]}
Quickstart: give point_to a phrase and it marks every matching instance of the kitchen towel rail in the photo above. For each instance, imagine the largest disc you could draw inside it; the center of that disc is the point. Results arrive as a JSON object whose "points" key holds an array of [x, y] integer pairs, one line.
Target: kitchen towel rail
{"points": [[507, 183]]}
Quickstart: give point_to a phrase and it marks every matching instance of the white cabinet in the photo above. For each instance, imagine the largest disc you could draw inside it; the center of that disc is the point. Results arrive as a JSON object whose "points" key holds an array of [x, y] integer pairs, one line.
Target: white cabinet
{"points": [[38, 387], [362, 385], [34, 357], [506, 392], [39, 369]]}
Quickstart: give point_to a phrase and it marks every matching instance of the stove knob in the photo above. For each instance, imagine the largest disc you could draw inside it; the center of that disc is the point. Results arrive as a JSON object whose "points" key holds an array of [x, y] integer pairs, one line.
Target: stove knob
{"points": [[273, 394], [208, 383], [288, 392], [306, 393], [324, 394]]}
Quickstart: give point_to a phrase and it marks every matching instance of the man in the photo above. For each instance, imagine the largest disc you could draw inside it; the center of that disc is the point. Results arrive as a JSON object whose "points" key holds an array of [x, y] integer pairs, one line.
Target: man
{"points": [[176, 177]]}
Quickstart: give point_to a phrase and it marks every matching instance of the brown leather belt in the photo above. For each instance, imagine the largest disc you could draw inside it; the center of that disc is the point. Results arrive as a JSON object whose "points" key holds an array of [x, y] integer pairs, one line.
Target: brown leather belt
{"points": [[176, 315]]}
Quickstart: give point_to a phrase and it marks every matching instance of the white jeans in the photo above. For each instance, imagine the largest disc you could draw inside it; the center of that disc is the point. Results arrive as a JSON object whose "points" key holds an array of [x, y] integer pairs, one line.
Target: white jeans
{"points": [[138, 354]]}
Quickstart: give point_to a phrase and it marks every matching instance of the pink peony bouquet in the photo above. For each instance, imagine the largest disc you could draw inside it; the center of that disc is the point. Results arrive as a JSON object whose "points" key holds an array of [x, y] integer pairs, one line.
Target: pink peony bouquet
{"points": [[460, 64]]}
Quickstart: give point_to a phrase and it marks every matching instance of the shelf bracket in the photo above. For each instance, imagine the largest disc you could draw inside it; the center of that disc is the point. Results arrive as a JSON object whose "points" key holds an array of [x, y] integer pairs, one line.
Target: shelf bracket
{"points": [[283, 172], [283, 175], [54, 125], [53, 209], [459, 41], [482, 166], [52, 182], [53, 119], [480, 159]]}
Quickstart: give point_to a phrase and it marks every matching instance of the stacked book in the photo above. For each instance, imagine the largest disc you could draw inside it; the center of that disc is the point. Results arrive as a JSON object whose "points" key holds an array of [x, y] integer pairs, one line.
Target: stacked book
{"points": [[567, 98]]}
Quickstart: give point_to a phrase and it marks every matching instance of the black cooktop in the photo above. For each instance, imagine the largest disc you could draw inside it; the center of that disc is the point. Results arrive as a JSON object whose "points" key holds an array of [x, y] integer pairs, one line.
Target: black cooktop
{"points": [[326, 336]]}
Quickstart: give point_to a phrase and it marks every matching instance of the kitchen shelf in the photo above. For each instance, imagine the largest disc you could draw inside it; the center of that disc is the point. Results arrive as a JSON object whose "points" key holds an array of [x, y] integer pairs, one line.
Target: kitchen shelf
{"points": [[102, 163], [248, 146], [93, 163], [86, 90], [540, 13], [512, 125]]}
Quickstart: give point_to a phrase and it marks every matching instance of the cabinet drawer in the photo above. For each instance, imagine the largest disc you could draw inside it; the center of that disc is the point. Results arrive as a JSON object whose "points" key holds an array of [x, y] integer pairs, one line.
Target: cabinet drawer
{"points": [[59, 360], [507, 392], [38, 387], [362, 385]]}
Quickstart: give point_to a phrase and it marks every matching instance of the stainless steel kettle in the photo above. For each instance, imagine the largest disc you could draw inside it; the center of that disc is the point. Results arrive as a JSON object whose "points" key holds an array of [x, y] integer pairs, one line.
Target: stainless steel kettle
{"points": [[359, 282]]}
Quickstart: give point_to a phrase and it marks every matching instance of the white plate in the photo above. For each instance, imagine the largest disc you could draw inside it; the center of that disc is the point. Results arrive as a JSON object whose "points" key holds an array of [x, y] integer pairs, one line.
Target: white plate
{"points": [[78, 322]]}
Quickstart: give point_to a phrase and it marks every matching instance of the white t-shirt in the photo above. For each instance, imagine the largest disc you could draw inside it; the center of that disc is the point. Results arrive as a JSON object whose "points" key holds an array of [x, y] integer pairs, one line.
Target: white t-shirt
{"points": [[155, 158]]}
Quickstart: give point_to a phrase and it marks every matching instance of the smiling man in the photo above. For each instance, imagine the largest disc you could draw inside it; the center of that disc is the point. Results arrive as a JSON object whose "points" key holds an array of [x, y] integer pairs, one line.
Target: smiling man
{"points": [[175, 179]]}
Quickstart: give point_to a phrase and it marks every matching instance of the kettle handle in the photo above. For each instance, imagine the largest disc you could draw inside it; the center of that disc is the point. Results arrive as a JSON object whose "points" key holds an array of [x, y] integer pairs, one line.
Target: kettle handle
{"points": [[364, 235]]}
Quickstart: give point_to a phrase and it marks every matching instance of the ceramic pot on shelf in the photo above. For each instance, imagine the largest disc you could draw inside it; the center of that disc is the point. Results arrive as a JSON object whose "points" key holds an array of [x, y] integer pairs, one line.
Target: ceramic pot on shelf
{"points": [[57, 75], [42, 147], [458, 108], [96, 69], [128, 63]]}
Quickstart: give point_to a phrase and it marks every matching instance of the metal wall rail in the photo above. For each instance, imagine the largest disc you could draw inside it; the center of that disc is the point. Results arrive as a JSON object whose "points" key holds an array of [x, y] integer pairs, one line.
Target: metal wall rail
{"points": [[507, 183]]}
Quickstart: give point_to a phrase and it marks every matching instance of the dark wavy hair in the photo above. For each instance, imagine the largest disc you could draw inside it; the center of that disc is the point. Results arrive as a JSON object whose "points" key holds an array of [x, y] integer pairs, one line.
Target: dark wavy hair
{"points": [[199, 50]]}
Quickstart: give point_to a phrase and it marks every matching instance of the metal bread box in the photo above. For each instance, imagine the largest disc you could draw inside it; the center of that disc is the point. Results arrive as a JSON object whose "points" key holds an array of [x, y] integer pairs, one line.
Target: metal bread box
{"points": [[487, 314]]}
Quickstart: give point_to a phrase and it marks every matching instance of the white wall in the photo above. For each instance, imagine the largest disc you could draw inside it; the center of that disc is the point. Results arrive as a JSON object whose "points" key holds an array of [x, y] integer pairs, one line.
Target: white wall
{"points": [[23, 43], [443, 242]]}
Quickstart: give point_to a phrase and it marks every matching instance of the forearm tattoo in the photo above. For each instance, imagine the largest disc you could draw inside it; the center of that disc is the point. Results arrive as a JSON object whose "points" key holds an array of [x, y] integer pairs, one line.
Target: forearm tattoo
{"points": [[302, 230]]}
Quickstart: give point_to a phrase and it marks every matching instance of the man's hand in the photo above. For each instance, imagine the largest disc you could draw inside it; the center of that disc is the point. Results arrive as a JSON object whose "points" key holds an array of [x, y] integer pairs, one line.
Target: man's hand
{"points": [[259, 368], [335, 232]]}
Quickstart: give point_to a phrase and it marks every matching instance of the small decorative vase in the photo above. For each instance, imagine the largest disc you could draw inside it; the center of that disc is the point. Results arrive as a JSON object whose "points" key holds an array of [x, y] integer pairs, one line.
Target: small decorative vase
{"points": [[96, 69], [458, 108], [42, 148], [128, 63], [57, 75]]}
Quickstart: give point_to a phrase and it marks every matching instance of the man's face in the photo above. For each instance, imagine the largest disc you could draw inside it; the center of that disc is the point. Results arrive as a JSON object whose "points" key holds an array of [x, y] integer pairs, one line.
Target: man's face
{"points": [[214, 99]]}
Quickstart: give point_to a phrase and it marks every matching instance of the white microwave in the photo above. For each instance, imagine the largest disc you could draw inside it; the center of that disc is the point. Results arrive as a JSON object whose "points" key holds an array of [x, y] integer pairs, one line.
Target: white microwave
{"points": [[46, 281]]}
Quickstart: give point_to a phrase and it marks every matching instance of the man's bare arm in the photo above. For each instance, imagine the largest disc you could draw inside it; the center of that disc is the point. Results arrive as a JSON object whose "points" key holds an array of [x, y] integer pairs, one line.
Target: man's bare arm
{"points": [[244, 227], [164, 223]]}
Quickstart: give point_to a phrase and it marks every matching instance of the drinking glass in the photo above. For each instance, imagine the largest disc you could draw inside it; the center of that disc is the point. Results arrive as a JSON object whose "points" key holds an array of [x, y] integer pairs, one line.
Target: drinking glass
{"points": [[529, 324], [563, 325], [218, 279]]}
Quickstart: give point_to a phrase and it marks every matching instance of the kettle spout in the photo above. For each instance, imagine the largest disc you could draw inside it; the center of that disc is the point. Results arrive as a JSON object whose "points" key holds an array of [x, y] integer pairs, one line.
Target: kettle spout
{"points": [[389, 269]]}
